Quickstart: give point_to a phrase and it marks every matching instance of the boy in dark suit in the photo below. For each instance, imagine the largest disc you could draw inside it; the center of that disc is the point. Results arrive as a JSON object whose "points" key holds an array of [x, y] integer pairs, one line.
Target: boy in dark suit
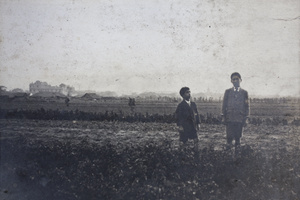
{"points": [[187, 118], [235, 110]]}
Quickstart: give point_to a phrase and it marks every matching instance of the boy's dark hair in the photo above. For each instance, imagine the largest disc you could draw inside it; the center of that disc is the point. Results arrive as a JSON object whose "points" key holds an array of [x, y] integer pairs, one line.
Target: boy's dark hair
{"points": [[183, 90], [235, 74]]}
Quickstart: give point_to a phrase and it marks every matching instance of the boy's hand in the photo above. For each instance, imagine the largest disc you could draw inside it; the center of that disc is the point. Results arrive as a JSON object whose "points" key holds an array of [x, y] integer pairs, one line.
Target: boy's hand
{"points": [[180, 128], [223, 120], [245, 122], [198, 127]]}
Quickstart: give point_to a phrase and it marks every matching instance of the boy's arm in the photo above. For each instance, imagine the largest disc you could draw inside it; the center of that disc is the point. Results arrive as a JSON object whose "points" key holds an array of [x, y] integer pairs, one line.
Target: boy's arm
{"points": [[247, 109], [179, 118], [197, 117], [224, 105], [198, 122], [247, 105], [178, 114]]}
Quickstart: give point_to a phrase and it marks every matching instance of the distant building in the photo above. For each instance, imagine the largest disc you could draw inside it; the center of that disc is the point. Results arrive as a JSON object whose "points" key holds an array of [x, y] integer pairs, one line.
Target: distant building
{"points": [[39, 86], [90, 96]]}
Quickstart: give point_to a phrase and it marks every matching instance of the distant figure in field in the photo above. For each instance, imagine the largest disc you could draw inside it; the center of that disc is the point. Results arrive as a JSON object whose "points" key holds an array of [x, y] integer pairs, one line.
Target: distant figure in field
{"points": [[131, 104], [67, 100], [187, 118], [235, 111]]}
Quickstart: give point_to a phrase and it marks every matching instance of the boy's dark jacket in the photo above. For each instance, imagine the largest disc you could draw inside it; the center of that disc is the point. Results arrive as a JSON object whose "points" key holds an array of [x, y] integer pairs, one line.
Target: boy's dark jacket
{"points": [[235, 105], [187, 116]]}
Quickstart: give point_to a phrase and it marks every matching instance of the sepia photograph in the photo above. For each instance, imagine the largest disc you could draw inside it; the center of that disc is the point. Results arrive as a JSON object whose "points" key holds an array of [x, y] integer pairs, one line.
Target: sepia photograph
{"points": [[149, 100]]}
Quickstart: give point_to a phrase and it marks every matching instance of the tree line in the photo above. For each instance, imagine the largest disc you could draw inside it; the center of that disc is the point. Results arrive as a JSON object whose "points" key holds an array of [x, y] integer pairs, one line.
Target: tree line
{"points": [[208, 118]]}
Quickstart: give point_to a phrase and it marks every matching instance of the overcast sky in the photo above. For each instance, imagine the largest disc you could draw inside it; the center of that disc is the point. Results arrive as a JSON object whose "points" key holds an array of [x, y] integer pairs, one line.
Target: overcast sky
{"points": [[151, 45]]}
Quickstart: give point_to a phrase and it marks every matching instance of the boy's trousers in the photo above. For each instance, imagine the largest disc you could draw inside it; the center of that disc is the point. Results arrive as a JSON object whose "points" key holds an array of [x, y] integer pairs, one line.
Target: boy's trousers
{"points": [[234, 132]]}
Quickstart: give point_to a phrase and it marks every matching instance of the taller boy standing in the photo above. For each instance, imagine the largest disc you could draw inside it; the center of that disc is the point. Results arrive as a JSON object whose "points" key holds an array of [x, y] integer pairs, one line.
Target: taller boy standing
{"points": [[187, 118], [235, 110]]}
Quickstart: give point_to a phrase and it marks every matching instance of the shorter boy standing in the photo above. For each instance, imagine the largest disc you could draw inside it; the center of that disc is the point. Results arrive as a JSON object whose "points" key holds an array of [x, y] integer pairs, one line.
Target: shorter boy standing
{"points": [[187, 118], [235, 110]]}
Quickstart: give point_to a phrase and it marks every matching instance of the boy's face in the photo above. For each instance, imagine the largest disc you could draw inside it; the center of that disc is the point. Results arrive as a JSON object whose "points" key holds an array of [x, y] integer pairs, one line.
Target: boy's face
{"points": [[187, 95], [236, 81]]}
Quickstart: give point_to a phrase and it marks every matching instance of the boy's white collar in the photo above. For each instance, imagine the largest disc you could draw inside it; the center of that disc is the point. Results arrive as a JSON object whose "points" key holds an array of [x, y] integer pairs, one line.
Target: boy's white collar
{"points": [[236, 89], [189, 101]]}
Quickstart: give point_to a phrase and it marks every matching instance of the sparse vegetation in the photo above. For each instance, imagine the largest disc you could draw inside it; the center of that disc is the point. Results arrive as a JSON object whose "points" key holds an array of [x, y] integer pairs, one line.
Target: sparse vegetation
{"points": [[119, 160]]}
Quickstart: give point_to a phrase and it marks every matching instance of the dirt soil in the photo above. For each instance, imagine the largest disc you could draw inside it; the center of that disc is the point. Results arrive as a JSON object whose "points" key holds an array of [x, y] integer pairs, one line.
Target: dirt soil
{"points": [[28, 174]]}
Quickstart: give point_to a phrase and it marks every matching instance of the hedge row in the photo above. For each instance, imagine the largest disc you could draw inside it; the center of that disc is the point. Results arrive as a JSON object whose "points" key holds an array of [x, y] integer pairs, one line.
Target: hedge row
{"points": [[134, 117]]}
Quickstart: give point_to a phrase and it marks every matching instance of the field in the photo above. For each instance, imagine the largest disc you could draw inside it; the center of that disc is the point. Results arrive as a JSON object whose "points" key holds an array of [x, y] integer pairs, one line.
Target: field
{"points": [[113, 159], [151, 107]]}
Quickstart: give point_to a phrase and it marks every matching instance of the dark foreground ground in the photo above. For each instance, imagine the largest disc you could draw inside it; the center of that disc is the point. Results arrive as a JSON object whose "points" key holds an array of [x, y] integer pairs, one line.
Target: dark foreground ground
{"points": [[64, 160]]}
